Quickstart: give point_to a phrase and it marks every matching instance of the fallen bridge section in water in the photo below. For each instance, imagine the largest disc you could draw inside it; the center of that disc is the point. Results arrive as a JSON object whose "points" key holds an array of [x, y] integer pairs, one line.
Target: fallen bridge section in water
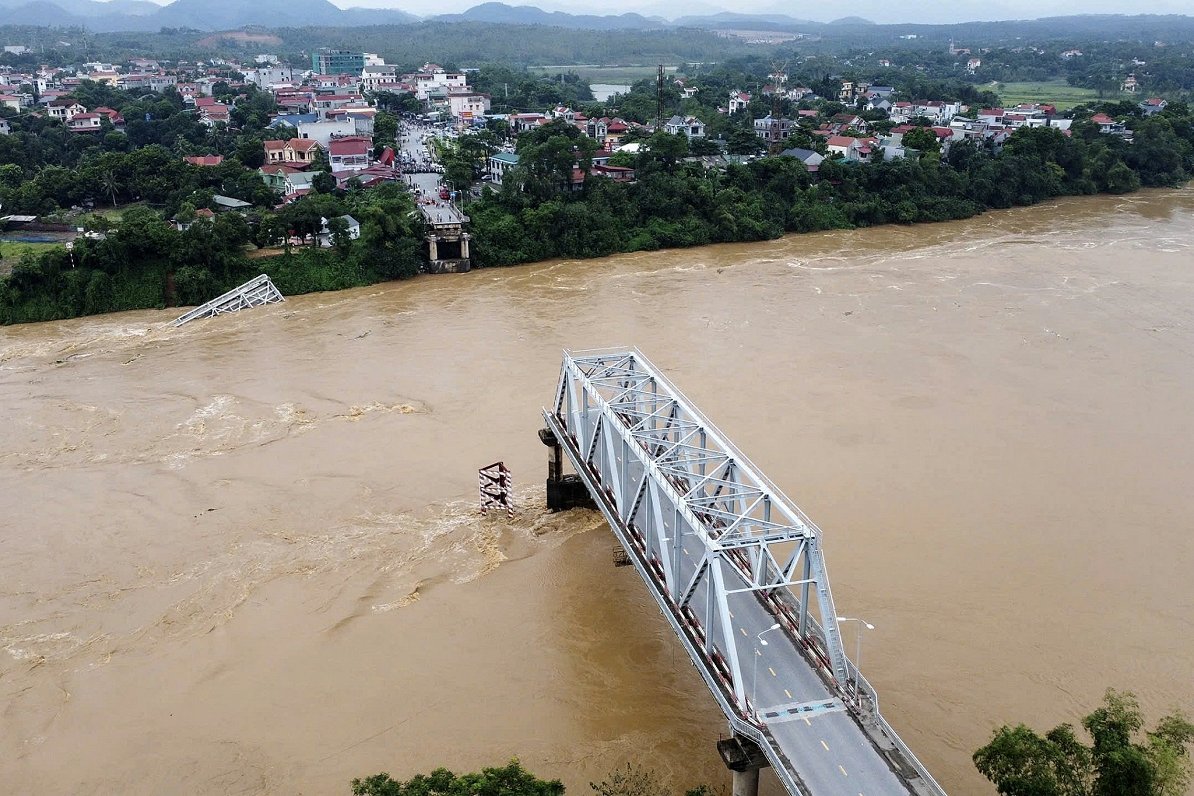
{"points": [[257, 291]]}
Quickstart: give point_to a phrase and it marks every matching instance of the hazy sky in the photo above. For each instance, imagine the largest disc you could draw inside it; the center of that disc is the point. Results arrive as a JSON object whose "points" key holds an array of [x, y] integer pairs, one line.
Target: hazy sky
{"points": [[875, 10]]}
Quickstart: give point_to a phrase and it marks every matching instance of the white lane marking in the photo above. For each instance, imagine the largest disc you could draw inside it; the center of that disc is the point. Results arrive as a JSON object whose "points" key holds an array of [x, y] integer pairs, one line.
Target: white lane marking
{"points": [[743, 630], [789, 693], [773, 674], [825, 745], [844, 774]]}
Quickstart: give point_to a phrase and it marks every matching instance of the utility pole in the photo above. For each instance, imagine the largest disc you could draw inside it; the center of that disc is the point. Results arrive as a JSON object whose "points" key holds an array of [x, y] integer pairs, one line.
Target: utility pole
{"points": [[659, 100]]}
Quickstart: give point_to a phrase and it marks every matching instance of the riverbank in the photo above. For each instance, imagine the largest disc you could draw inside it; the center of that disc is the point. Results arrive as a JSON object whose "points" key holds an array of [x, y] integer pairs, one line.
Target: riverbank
{"points": [[514, 230]]}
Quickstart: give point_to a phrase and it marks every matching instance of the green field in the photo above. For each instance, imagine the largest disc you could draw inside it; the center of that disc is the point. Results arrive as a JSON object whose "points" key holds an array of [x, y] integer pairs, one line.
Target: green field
{"points": [[10, 249], [1055, 92], [11, 252], [113, 214], [616, 75]]}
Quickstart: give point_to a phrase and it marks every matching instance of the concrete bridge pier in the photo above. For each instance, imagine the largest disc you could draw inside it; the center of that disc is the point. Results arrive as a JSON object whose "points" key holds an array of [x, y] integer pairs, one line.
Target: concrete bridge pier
{"points": [[745, 783], [744, 759], [564, 491]]}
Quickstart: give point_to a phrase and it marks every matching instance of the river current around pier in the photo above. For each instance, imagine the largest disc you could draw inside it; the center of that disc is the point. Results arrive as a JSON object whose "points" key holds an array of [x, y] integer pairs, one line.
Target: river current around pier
{"points": [[242, 556]]}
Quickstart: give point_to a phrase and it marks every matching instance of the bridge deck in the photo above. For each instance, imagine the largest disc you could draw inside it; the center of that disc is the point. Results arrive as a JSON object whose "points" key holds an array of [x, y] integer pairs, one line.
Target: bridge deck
{"points": [[721, 549], [441, 212]]}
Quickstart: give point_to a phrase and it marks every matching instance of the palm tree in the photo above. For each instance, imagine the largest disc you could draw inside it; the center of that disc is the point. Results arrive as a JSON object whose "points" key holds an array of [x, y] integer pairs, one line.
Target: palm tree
{"points": [[108, 181]]}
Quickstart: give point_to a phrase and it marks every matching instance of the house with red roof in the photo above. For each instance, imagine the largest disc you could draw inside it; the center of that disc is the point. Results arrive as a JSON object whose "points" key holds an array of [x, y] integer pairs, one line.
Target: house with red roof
{"points": [[841, 123], [739, 100], [615, 173], [84, 123], [64, 109], [295, 152], [522, 122], [354, 152], [204, 160], [113, 115], [211, 115], [607, 131], [1108, 125], [288, 181], [1152, 105], [858, 150]]}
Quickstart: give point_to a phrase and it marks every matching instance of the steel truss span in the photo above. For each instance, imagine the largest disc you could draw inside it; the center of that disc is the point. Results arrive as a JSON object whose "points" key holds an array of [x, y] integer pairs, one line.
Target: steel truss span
{"points": [[257, 291], [729, 559]]}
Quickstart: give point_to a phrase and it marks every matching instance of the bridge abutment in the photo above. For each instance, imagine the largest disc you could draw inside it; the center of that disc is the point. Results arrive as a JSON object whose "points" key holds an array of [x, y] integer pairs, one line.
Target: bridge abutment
{"points": [[744, 759], [564, 491]]}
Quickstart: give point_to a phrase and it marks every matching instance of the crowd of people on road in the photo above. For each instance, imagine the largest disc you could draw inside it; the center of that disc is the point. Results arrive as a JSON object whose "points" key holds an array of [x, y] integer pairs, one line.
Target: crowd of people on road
{"points": [[416, 156]]}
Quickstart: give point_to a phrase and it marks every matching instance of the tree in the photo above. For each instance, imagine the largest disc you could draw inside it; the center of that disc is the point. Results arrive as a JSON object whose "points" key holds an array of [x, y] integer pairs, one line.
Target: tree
{"points": [[110, 183], [1022, 763], [385, 128], [511, 780], [338, 228], [548, 156], [11, 175], [251, 152], [630, 781], [741, 140], [185, 214], [703, 146], [323, 182], [922, 139]]}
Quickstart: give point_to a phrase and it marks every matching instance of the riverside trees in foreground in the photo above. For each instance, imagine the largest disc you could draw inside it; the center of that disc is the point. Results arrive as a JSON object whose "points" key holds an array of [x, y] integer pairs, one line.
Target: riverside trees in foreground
{"points": [[1117, 763], [512, 780]]}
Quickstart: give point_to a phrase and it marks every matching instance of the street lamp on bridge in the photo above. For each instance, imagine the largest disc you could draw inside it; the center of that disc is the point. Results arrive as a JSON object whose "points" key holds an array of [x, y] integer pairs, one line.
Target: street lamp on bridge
{"points": [[754, 677], [857, 651]]}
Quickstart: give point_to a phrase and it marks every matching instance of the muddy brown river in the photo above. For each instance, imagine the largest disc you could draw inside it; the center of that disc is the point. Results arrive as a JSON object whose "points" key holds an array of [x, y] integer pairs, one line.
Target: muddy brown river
{"points": [[243, 557]]}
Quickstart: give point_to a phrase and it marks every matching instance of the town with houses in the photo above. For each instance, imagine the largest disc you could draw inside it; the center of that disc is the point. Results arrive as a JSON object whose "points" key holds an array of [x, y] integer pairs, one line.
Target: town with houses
{"points": [[328, 103], [325, 111]]}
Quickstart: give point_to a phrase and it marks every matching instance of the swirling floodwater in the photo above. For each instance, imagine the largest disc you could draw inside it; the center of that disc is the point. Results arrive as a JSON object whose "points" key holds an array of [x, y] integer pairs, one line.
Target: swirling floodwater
{"points": [[242, 556]]}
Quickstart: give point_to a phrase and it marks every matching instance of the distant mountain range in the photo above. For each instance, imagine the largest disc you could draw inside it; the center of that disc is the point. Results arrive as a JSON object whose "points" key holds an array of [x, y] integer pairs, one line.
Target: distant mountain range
{"points": [[530, 15], [139, 15], [142, 15], [220, 15]]}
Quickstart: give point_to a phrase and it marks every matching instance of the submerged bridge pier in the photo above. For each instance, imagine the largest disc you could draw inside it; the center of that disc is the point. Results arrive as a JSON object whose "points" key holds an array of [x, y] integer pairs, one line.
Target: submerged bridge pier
{"points": [[736, 569], [564, 490]]}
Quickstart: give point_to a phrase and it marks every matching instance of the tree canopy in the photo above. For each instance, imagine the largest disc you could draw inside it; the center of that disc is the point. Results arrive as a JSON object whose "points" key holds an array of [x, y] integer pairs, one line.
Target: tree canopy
{"points": [[1117, 762], [510, 780]]}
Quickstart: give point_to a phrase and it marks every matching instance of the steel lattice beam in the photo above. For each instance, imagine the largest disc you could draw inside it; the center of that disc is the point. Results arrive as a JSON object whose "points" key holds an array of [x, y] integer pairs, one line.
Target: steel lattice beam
{"points": [[671, 474]]}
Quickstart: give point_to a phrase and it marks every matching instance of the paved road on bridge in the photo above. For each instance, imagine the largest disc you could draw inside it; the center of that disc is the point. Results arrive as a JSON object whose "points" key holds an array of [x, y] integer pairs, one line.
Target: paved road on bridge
{"points": [[829, 750]]}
